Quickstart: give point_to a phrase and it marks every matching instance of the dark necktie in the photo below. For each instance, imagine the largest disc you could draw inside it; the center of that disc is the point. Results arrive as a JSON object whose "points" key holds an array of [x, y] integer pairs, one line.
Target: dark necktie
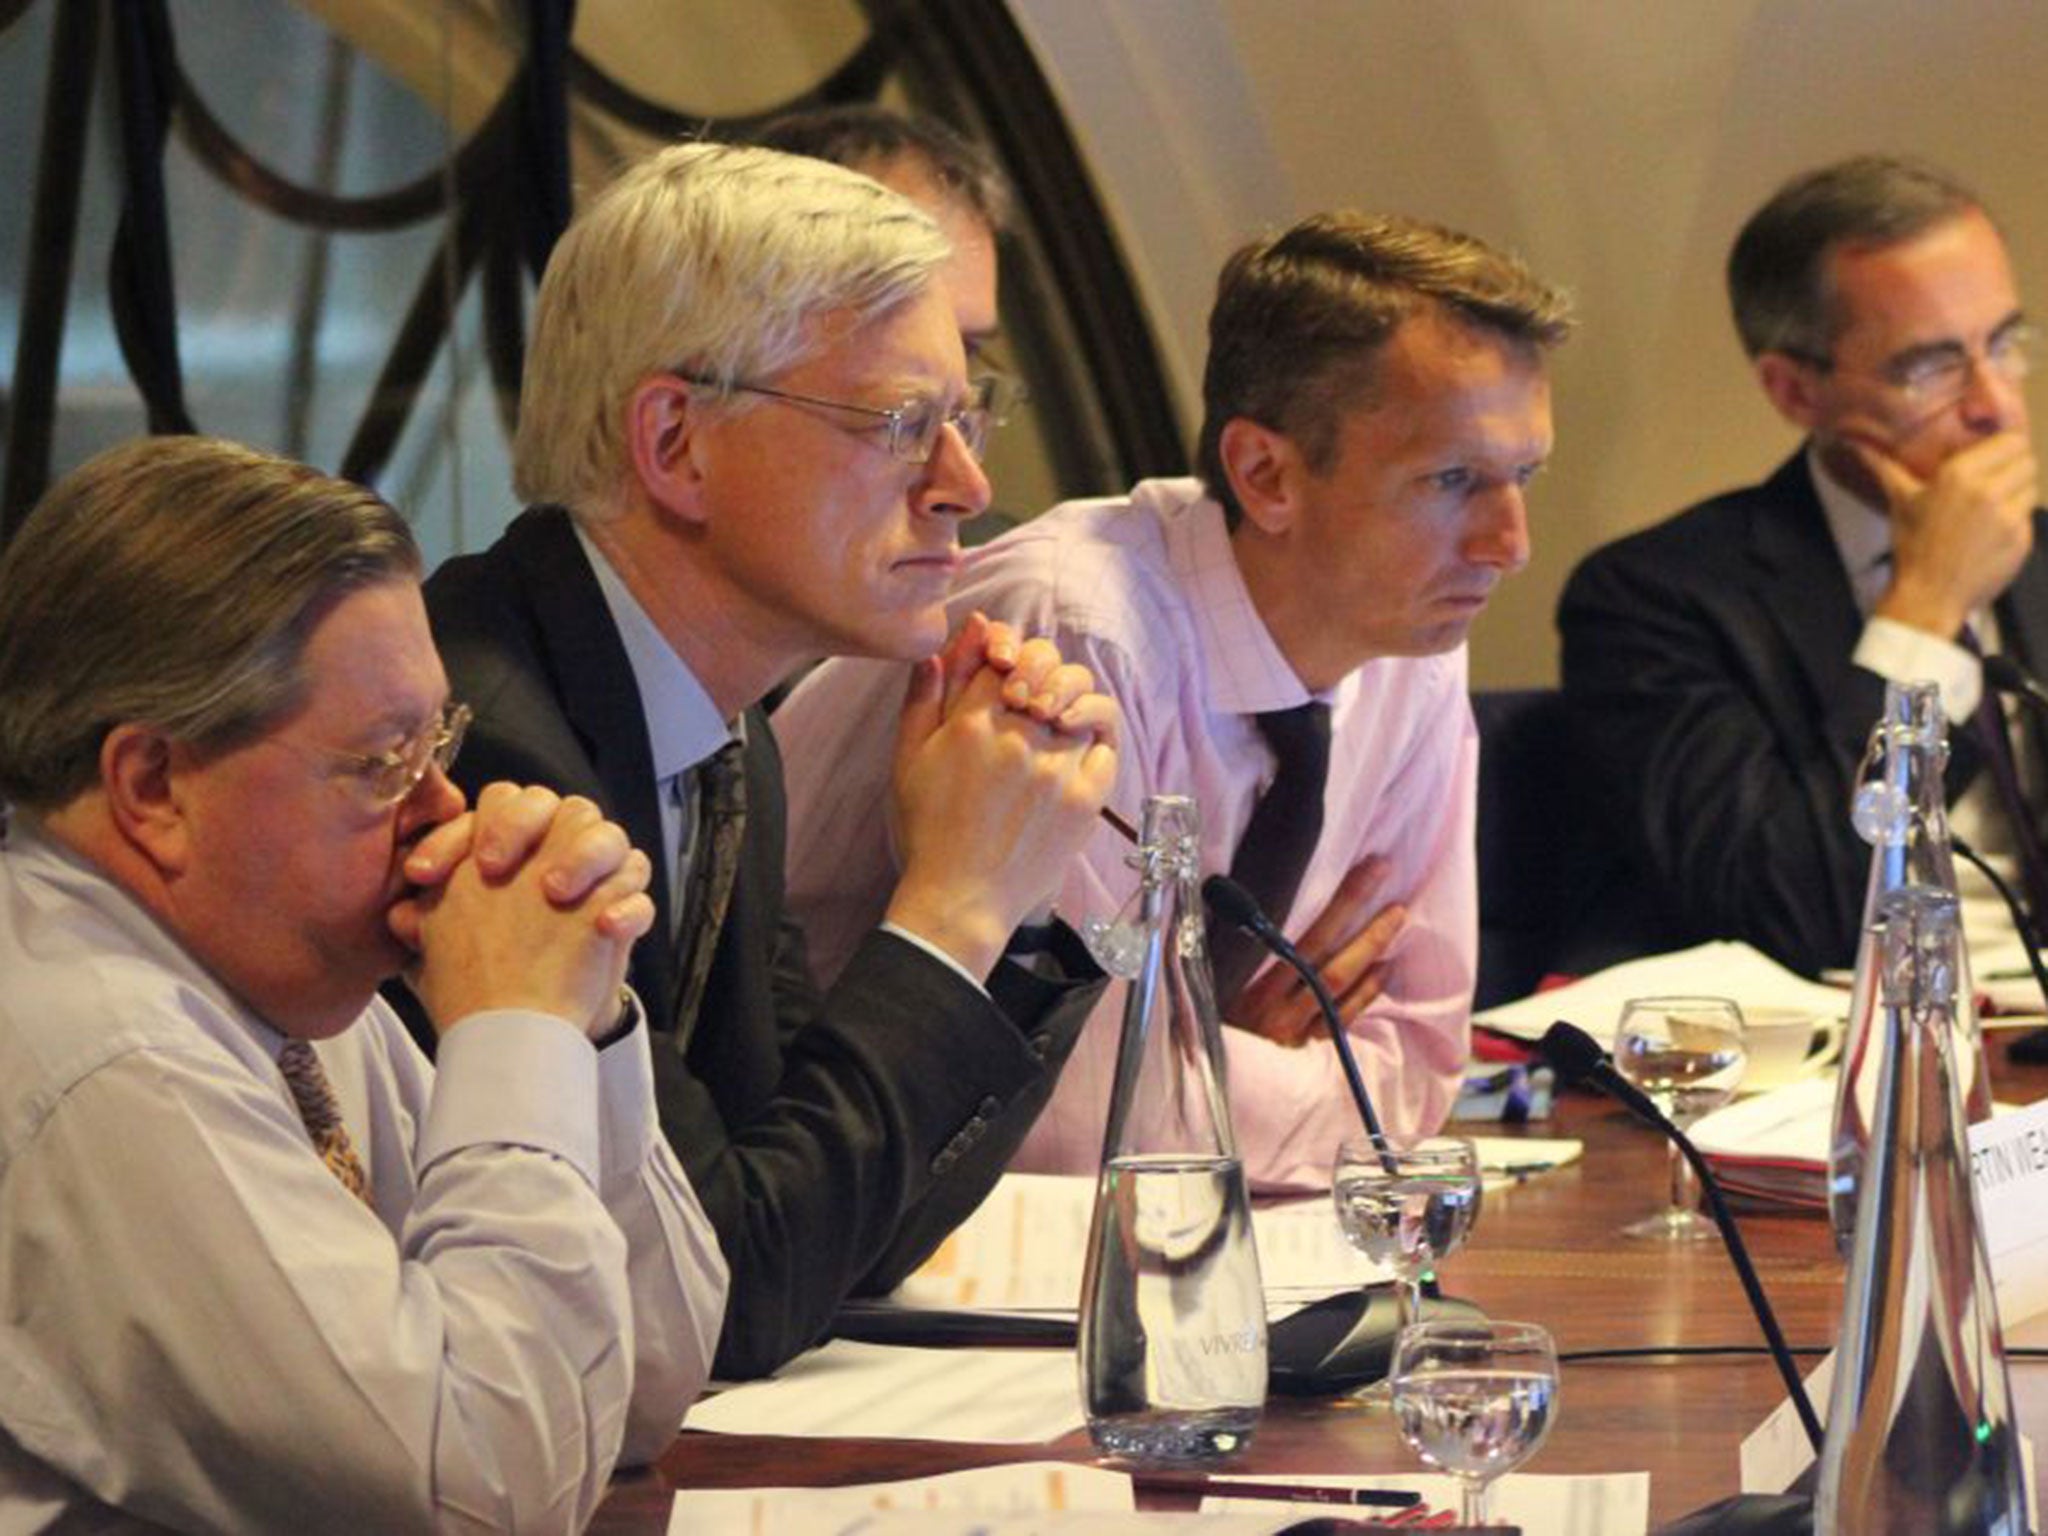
{"points": [[721, 784], [1989, 726], [321, 1112], [1279, 838]]}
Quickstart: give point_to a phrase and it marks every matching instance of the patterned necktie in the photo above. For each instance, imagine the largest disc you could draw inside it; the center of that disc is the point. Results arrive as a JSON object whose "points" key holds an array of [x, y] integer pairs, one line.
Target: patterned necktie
{"points": [[715, 859], [1989, 726], [321, 1111], [1279, 838]]}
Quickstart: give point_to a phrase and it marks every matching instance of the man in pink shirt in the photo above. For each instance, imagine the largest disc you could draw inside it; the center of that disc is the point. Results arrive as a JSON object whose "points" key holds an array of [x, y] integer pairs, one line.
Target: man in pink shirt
{"points": [[1375, 404]]}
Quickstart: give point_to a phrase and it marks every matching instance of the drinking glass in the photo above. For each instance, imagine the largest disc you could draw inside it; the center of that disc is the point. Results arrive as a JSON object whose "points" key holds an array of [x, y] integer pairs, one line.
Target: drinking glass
{"points": [[1686, 1053], [1474, 1399], [1407, 1207]]}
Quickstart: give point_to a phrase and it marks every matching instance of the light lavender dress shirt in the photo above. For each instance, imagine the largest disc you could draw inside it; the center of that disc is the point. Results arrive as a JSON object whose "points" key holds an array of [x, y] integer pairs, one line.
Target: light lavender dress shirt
{"points": [[1145, 592], [201, 1329]]}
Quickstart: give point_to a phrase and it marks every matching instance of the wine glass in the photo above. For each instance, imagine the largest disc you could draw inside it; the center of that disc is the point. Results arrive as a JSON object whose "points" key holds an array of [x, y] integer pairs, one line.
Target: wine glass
{"points": [[1686, 1053], [1407, 1207], [1474, 1399]]}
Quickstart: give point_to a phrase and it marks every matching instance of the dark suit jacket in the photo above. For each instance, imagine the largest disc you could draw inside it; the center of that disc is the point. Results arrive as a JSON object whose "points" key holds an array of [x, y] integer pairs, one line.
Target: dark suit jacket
{"points": [[834, 1140], [1706, 661]]}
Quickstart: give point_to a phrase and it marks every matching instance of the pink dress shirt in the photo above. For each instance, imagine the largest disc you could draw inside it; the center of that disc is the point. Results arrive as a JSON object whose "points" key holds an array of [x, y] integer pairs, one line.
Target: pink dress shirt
{"points": [[1146, 593]]}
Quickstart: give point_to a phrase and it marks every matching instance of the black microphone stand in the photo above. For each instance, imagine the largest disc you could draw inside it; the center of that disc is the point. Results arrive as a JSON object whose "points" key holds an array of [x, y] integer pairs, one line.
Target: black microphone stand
{"points": [[2020, 921], [1578, 1057], [1237, 906], [2007, 676]]}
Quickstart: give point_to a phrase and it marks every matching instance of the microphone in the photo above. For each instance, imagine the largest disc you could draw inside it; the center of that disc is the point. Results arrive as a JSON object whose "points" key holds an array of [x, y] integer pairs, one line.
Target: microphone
{"points": [[1577, 1056], [1238, 907]]}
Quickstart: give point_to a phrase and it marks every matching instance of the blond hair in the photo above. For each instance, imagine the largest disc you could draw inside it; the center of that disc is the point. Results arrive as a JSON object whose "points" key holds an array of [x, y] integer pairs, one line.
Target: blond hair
{"points": [[713, 260]]}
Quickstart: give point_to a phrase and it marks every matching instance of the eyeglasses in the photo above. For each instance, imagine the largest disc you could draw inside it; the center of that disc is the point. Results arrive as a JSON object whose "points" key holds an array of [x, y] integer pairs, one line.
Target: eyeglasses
{"points": [[394, 775], [914, 425], [1939, 376]]}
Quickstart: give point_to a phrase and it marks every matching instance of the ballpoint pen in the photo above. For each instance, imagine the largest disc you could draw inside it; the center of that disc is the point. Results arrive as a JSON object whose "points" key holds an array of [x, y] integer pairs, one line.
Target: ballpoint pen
{"points": [[1295, 1493]]}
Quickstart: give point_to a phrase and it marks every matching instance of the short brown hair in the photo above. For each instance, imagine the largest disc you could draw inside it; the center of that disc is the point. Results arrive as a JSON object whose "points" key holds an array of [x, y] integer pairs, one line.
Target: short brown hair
{"points": [[868, 138], [173, 582], [1300, 318], [1778, 267]]}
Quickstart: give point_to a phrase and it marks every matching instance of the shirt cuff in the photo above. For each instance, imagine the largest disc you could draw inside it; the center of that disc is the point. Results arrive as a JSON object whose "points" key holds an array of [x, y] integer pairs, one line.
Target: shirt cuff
{"points": [[1899, 653], [625, 1091], [509, 1077], [939, 955]]}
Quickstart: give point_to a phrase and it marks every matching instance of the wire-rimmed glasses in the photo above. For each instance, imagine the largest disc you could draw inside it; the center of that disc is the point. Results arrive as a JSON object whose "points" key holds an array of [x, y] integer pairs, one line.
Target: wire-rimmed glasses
{"points": [[912, 426]]}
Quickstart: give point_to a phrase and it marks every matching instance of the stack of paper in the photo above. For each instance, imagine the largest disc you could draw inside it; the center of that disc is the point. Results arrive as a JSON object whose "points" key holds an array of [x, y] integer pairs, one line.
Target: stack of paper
{"points": [[1773, 1146], [1594, 1003]]}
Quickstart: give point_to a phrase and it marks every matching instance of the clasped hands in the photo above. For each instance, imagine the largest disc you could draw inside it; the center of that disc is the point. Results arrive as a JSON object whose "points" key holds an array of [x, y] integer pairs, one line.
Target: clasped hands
{"points": [[532, 901], [1005, 753]]}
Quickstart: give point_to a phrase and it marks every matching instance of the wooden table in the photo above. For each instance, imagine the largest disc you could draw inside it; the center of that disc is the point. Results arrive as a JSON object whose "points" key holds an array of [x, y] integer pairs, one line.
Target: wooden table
{"points": [[1549, 1250]]}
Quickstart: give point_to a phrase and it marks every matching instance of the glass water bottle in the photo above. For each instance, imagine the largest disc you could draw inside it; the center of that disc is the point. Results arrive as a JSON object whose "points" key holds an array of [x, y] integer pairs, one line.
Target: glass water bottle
{"points": [[1902, 812], [1173, 1317], [1920, 1436]]}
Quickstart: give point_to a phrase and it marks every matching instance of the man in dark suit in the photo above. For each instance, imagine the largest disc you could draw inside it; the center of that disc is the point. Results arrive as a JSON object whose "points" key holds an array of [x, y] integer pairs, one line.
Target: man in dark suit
{"points": [[749, 432], [1727, 665]]}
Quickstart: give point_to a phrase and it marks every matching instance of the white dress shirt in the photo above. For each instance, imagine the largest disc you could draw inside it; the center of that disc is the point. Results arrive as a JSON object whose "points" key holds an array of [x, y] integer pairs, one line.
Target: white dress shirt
{"points": [[200, 1329]]}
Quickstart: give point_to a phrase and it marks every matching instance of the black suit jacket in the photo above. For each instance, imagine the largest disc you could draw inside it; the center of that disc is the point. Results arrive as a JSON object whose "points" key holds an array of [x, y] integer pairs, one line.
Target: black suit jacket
{"points": [[1706, 662], [833, 1139]]}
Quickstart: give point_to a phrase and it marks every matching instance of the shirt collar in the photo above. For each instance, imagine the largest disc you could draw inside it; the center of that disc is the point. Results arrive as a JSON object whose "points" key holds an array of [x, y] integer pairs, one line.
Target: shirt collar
{"points": [[1247, 673], [683, 725], [1862, 533]]}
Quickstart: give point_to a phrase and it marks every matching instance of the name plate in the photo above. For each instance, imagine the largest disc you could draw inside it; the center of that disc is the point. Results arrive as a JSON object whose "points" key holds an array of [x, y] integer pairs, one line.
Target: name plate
{"points": [[2009, 1165]]}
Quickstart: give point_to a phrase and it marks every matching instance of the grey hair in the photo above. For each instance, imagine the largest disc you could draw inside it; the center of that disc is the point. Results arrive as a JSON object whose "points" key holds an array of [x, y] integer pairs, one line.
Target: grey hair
{"points": [[172, 582], [1778, 271], [710, 259], [1300, 318]]}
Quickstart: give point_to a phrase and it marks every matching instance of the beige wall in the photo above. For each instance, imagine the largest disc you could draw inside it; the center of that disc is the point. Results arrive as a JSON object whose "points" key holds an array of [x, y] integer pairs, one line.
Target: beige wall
{"points": [[1617, 145]]}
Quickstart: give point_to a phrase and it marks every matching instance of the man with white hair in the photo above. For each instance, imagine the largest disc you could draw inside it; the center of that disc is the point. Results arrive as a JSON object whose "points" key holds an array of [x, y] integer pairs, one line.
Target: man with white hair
{"points": [[750, 434]]}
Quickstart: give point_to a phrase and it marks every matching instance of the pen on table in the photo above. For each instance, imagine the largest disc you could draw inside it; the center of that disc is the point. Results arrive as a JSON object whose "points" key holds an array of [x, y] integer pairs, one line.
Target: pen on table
{"points": [[1294, 1493], [1523, 1170]]}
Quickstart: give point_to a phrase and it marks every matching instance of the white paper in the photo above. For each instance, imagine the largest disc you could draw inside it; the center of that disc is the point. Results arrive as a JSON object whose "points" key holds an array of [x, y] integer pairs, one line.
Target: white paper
{"points": [[1071, 1522], [1789, 1124], [1719, 969], [1024, 1247], [1608, 1504], [1505, 1161], [891, 1392], [1777, 1450], [1022, 1488], [1021, 1250]]}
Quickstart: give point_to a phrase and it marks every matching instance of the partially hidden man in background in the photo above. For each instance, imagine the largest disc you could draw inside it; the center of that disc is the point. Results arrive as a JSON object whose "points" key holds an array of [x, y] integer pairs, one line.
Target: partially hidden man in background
{"points": [[1726, 666], [750, 434], [1286, 635], [262, 1268]]}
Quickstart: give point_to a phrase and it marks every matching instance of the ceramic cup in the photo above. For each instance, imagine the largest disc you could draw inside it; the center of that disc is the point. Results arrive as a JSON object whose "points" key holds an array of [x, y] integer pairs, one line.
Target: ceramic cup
{"points": [[1787, 1044]]}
